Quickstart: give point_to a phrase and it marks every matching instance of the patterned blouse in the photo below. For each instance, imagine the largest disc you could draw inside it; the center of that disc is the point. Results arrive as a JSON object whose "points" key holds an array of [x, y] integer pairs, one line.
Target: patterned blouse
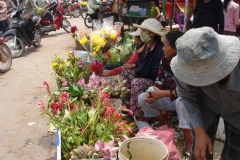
{"points": [[165, 78]]}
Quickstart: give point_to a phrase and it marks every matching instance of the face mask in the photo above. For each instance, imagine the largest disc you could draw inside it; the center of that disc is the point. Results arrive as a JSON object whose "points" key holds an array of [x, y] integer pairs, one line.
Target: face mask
{"points": [[145, 37]]}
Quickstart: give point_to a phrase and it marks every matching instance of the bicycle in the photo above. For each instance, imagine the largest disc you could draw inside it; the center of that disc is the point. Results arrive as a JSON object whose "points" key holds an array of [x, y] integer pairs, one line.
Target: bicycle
{"points": [[88, 21]]}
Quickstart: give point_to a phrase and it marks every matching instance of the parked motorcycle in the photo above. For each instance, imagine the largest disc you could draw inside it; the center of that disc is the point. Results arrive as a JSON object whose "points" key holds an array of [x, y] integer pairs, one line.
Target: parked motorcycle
{"points": [[17, 38], [5, 56], [59, 21], [75, 9]]}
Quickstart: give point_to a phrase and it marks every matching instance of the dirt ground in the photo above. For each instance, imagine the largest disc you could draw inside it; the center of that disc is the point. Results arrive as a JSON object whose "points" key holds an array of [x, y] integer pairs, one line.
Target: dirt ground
{"points": [[21, 88], [24, 133]]}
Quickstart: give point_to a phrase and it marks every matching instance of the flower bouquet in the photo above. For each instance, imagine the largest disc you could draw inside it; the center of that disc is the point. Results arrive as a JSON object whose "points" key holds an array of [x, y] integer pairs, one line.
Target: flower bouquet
{"points": [[70, 70], [100, 41], [83, 4]]}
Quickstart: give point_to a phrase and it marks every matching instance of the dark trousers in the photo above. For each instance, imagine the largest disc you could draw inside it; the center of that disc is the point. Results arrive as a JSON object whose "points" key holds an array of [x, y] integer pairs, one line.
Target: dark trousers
{"points": [[4, 25], [29, 30], [49, 17], [231, 149], [94, 15]]}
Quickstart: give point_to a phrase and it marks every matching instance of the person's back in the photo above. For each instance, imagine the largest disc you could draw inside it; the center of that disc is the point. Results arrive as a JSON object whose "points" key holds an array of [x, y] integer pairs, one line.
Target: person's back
{"points": [[231, 17], [30, 8], [209, 13]]}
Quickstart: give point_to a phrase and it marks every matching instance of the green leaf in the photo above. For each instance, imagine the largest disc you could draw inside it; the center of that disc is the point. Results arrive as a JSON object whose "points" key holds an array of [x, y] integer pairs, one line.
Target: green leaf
{"points": [[69, 139], [67, 114]]}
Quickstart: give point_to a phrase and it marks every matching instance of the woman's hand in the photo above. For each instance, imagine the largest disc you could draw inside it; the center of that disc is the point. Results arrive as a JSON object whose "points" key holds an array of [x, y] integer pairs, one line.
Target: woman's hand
{"points": [[149, 98], [157, 93], [129, 66], [105, 73], [202, 143]]}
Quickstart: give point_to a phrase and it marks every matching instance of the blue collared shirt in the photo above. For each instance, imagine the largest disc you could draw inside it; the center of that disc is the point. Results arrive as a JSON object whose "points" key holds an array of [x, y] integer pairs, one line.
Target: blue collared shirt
{"points": [[203, 104]]}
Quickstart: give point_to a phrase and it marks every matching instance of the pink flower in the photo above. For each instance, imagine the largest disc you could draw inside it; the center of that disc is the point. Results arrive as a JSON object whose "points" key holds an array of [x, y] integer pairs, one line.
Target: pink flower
{"points": [[81, 82], [109, 149], [95, 81], [64, 97], [124, 137], [86, 148], [99, 145], [42, 105], [80, 63], [47, 86], [64, 83]]}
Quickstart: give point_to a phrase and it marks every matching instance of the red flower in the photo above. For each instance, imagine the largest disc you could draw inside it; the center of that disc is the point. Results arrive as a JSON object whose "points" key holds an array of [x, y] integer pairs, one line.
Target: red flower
{"points": [[119, 116], [96, 67], [74, 29], [47, 86], [56, 107]]}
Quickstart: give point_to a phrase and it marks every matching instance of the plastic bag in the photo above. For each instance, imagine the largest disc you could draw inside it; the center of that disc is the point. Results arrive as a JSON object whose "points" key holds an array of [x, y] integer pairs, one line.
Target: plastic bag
{"points": [[165, 135]]}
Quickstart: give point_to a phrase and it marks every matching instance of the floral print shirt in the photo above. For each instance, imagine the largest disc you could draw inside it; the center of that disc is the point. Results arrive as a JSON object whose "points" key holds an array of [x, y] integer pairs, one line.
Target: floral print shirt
{"points": [[165, 78]]}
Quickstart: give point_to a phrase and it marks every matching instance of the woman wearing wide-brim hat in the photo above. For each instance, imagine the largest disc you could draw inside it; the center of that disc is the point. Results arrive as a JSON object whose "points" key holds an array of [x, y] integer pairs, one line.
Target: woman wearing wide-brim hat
{"points": [[146, 68]]}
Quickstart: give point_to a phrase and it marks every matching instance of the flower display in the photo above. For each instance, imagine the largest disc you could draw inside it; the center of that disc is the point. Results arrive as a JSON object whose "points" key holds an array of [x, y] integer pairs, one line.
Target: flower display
{"points": [[90, 127]]}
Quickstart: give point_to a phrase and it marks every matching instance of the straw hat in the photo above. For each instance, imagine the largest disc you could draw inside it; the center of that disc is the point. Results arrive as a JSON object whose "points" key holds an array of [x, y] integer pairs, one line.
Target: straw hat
{"points": [[205, 57], [152, 25], [136, 33]]}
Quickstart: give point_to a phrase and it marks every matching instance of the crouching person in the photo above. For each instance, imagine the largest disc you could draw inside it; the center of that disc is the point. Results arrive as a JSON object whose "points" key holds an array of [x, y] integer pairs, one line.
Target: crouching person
{"points": [[207, 72], [163, 96]]}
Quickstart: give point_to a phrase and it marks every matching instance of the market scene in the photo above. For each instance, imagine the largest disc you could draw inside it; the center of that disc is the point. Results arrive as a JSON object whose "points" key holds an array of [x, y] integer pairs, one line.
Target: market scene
{"points": [[120, 79]]}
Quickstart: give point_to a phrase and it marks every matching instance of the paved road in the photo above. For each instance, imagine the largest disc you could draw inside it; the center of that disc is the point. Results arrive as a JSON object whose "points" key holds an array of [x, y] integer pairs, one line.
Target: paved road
{"points": [[20, 91]]}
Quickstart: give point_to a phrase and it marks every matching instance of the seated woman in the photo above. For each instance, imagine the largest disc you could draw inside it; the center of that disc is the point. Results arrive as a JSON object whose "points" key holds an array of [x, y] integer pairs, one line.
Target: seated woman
{"points": [[131, 62], [164, 95], [146, 68]]}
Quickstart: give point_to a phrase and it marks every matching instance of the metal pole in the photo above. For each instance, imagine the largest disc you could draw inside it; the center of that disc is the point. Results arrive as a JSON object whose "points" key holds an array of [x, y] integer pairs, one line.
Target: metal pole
{"points": [[171, 19]]}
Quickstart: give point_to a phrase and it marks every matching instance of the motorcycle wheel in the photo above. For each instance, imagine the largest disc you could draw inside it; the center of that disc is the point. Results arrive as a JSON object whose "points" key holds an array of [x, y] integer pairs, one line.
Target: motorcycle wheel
{"points": [[5, 58], [38, 35], [19, 49], [88, 21], [66, 26], [76, 12]]}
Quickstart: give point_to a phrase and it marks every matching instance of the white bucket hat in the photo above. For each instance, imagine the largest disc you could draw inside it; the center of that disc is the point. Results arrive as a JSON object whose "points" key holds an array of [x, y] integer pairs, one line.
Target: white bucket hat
{"points": [[205, 57], [152, 25], [136, 33]]}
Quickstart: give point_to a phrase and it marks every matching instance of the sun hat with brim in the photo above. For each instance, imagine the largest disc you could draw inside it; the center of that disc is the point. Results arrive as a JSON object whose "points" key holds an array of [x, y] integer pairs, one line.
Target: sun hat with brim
{"points": [[152, 25], [136, 33], [205, 57]]}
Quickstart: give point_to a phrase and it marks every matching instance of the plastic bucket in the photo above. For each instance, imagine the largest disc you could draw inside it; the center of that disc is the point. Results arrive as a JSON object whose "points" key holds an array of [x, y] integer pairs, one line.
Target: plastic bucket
{"points": [[142, 11], [140, 148], [83, 55]]}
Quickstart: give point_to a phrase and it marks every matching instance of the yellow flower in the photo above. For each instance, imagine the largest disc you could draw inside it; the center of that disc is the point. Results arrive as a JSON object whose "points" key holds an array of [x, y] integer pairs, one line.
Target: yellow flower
{"points": [[84, 40], [67, 63], [60, 66], [54, 65]]}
